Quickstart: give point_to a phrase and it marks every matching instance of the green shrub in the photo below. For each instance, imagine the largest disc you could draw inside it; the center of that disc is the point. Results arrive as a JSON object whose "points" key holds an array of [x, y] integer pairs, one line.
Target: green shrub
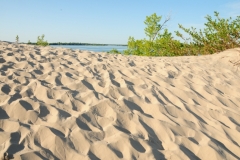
{"points": [[220, 34], [114, 51], [41, 42], [158, 44]]}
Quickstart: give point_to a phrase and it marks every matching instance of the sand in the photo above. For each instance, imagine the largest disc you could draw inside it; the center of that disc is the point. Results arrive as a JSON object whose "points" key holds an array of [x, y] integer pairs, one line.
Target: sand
{"points": [[58, 103]]}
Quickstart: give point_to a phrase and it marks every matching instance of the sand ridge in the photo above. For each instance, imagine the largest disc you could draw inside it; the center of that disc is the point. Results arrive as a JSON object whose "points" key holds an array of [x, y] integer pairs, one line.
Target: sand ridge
{"points": [[58, 103]]}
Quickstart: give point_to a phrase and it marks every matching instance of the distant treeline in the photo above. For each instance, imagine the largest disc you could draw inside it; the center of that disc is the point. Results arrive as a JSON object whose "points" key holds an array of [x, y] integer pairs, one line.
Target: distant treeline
{"points": [[76, 43], [89, 44]]}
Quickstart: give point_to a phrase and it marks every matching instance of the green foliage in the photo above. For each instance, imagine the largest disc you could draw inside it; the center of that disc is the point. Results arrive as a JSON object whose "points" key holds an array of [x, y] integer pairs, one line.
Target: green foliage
{"points": [[17, 39], [153, 27], [114, 51], [29, 42], [158, 44], [220, 34], [41, 42]]}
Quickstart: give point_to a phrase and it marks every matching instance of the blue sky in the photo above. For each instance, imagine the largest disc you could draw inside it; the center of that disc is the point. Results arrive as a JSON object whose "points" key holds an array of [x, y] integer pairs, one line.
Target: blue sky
{"points": [[101, 21]]}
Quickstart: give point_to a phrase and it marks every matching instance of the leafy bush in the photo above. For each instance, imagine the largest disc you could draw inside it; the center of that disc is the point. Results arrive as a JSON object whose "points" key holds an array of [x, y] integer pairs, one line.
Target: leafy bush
{"points": [[41, 42], [158, 44], [220, 34], [114, 51]]}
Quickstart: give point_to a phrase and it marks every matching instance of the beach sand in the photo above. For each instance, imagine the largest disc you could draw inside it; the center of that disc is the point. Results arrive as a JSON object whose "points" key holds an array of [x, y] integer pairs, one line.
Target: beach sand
{"points": [[58, 103]]}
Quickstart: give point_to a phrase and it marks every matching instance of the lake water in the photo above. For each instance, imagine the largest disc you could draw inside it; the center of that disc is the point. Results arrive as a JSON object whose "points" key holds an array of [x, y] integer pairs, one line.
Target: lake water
{"points": [[93, 48]]}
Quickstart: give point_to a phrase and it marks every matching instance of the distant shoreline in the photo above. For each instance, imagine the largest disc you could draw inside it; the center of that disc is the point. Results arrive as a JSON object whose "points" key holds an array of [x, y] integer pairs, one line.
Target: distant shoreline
{"points": [[88, 44], [71, 43]]}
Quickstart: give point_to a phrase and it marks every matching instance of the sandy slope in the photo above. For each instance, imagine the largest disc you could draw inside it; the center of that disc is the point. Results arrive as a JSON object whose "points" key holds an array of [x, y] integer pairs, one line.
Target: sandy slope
{"points": [[71, 104]]}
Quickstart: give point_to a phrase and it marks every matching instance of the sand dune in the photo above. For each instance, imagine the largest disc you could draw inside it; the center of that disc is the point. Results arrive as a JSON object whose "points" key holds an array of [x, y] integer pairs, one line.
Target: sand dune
{"points": [[58, 103]]}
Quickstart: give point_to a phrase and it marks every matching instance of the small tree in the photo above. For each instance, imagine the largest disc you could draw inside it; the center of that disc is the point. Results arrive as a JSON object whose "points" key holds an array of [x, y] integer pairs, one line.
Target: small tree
{"points": [[153, 27], [29, 42], [41, 42], [17, 39], [154, 46]]}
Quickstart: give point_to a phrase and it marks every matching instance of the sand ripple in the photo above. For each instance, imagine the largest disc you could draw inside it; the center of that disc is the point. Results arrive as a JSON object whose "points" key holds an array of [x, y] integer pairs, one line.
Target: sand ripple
{"points": [[71, 104]]}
